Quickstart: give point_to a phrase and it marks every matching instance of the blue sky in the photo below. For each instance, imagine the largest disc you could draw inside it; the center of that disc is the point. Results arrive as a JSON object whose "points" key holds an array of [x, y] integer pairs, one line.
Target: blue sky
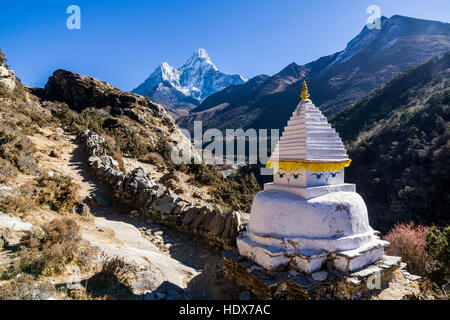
{"points": [[122, 42]]}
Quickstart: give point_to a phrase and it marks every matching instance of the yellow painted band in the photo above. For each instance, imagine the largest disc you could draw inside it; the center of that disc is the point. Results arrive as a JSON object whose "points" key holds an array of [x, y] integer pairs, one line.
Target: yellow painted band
{"points": [[313, 166]]}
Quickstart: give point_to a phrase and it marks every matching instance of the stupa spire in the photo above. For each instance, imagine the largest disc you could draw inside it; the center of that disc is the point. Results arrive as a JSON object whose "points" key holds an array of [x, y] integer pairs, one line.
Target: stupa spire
{"points": [[305, 94]]}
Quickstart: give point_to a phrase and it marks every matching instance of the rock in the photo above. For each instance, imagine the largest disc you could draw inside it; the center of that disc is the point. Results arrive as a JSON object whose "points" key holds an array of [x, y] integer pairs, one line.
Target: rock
{"points": [[233, 221], [144, 183], [217, 223], [138, 172], [158, 233], [199, 218], [190, 215], [320, 276], [410, 276], [166, 203], [180, 207], [163, 206], [13, 223]]}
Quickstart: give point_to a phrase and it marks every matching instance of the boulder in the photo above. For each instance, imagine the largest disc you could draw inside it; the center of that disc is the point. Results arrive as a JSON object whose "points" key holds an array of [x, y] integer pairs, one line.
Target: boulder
{"points": [[199, 219], [166, 203], [217, 223], [138, 172], [232, 225], [190, 215], [180, 207], [92, 160]]}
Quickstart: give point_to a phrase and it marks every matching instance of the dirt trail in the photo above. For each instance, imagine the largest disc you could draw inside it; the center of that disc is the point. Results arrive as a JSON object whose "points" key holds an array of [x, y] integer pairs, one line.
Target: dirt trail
{"points": [[171, 257]]}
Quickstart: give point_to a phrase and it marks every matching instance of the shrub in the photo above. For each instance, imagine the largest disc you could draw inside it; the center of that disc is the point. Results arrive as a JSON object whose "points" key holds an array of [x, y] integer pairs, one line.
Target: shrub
{"points": [[48, 251], [115, 267], [169, 179], [164, 148], [132, 144], [88, 119], [57, 192], [204, 174], [18, 150], [438, 247], [112, 274], [19, 201], [408, 241], [7, 171], [237, 193]]}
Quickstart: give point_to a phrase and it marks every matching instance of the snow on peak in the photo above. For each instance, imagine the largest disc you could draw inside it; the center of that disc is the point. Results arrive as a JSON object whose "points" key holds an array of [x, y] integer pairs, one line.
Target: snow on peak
{"points": [[199, 59], [196, 79], [168, 72]]}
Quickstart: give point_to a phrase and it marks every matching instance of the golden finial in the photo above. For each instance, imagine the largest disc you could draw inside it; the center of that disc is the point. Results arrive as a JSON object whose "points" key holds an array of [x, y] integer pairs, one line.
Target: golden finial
{"points": [[305, 94]]}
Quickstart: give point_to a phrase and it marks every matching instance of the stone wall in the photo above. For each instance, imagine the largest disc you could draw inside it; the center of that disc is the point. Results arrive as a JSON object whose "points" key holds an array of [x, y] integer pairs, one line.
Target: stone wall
{"points": [[135, 191]]}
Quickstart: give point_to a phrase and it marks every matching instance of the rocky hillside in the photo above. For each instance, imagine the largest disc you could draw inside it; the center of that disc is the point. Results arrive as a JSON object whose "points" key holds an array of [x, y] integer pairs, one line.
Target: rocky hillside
{"points": [[398, 139], [184, 88], [62, 219], [370, 59]]}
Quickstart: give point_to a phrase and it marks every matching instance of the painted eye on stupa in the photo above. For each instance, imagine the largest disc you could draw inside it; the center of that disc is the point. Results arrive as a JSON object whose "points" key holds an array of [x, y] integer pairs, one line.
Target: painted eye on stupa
{"points": [[333, 174], [318, 175], [295, 176], [281, 175]]}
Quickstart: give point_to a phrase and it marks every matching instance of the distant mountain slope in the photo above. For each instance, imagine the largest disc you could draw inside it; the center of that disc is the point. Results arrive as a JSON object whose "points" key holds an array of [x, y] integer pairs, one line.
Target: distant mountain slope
{"points": [[398, 139], [370, 59], [182, 89]]}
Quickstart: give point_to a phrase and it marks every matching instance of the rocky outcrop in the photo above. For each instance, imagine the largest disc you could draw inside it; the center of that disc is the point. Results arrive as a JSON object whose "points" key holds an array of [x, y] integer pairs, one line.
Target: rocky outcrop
{"points": [[7, 77], [125, 113], [158, 203], [81, 92]]}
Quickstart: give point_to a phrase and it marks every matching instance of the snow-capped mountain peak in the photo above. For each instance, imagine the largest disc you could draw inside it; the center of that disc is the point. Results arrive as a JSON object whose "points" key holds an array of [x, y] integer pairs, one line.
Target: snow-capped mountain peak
{"points": [[199, 59], [168, 72], [188, 85]]}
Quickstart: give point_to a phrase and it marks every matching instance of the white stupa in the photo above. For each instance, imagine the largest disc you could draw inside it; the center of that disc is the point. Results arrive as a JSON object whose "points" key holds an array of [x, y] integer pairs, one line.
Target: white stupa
{"points": [[308, 215]]}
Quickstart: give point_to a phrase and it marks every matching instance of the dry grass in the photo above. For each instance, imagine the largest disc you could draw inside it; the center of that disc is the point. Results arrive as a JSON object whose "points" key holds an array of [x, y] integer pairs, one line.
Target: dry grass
{"points": [[57, 193], [7, 171], [48, 251], [24, 287], [20, 201]]}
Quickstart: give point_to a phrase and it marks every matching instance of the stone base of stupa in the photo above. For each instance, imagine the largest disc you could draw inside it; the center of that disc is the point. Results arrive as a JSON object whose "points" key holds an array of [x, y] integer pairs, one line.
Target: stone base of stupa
{"points": [[310, 261], [371, 281]]}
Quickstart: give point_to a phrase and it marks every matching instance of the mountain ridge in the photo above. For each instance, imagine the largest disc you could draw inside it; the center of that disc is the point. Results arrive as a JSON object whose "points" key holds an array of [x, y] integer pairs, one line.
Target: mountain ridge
{"points": [[335, 81], [398, 139], [184, 88]]}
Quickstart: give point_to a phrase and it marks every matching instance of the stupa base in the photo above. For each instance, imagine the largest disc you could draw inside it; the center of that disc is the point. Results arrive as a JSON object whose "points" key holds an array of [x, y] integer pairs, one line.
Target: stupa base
{"points": [[310, 261], [367, 283]]}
